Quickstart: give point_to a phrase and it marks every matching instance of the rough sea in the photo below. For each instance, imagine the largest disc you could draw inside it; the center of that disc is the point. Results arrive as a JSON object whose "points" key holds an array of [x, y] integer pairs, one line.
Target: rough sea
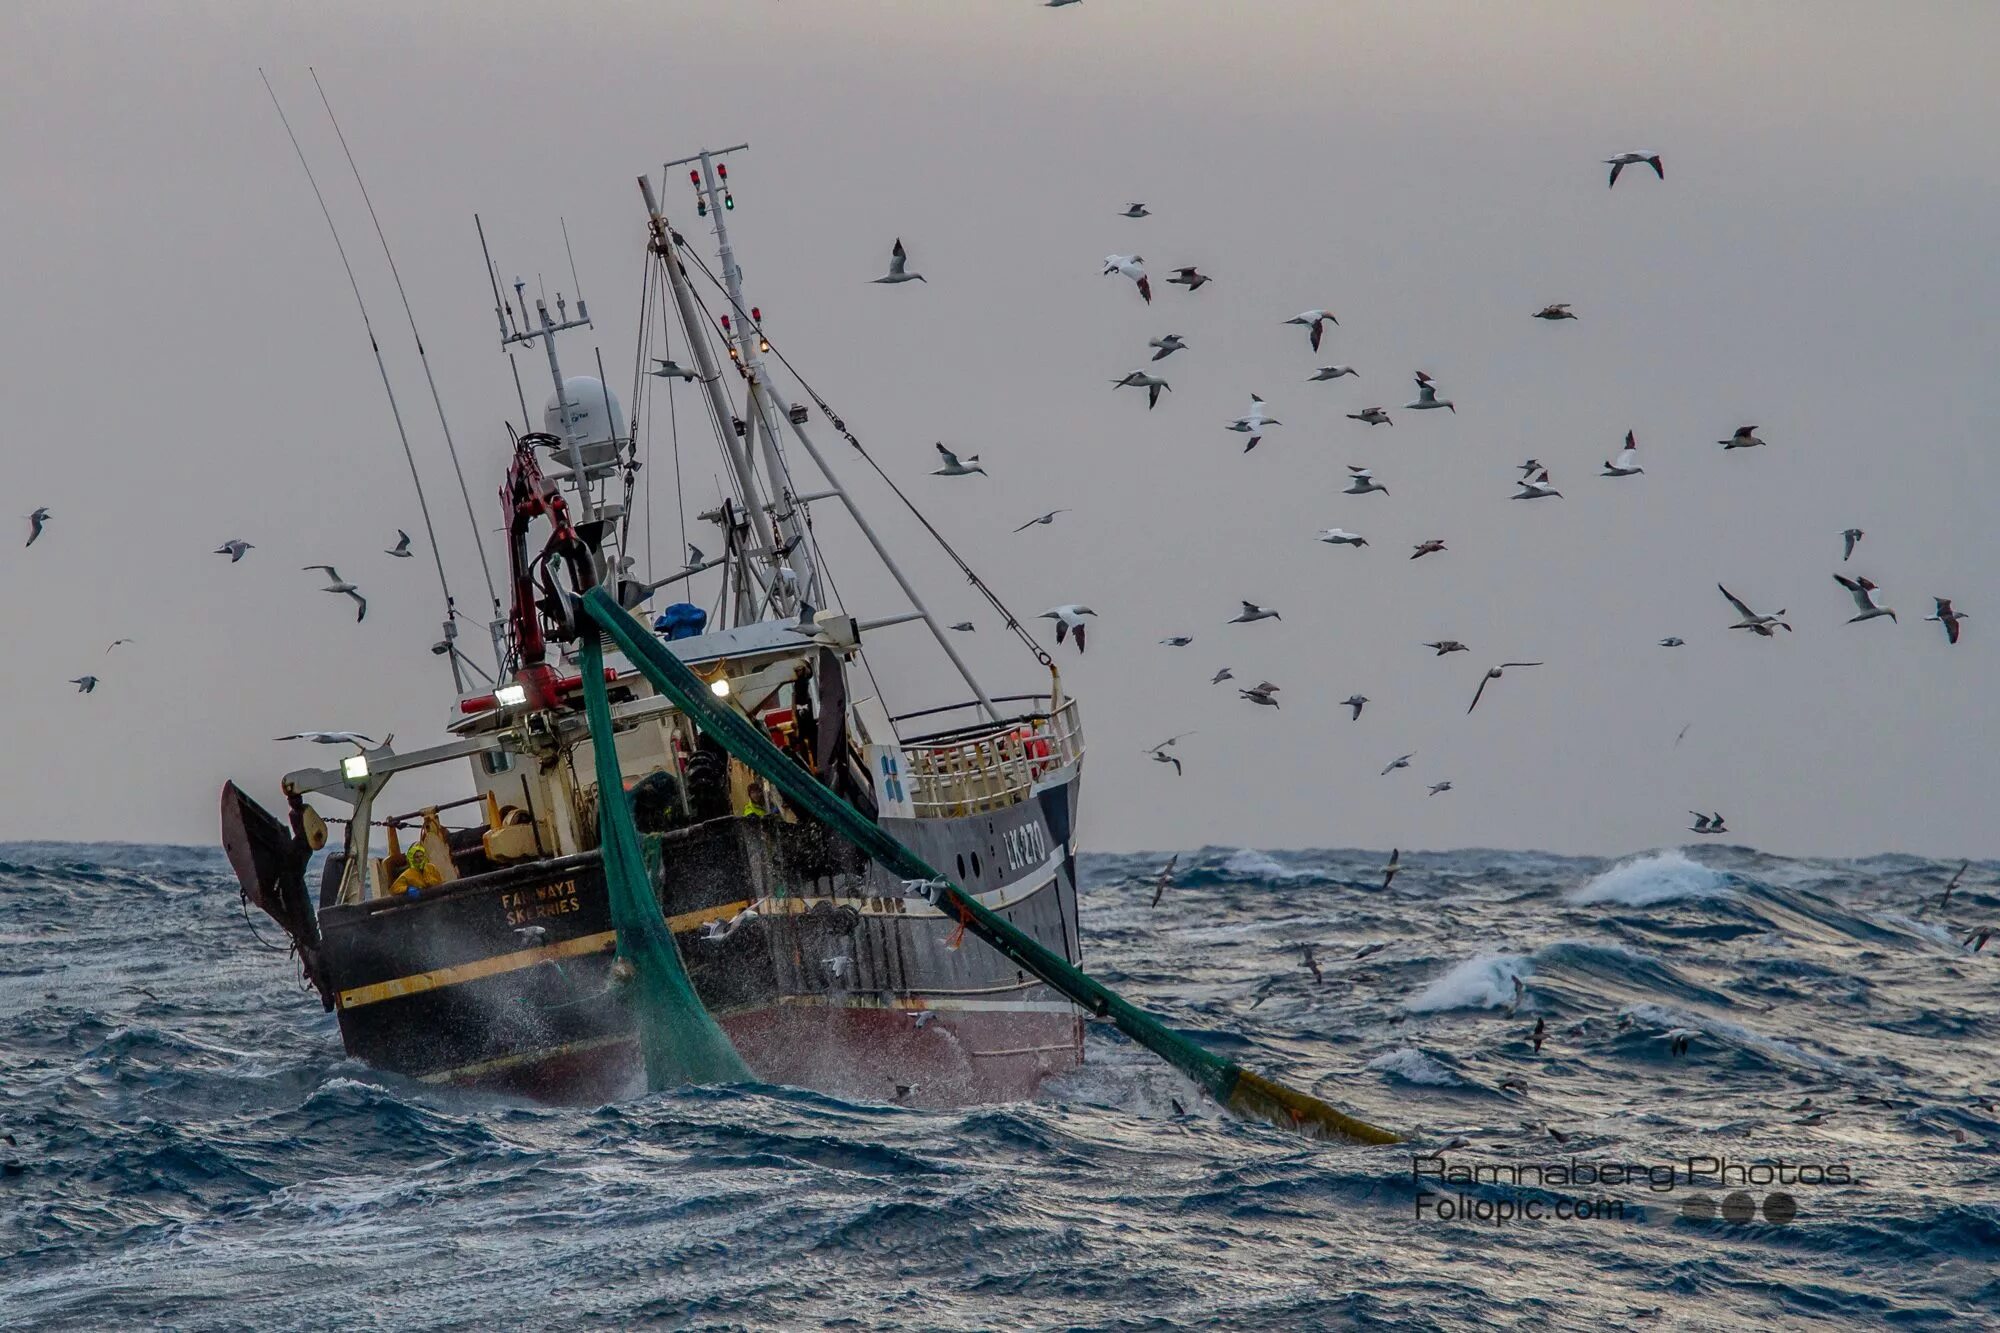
{"points": [[186, 1146]]}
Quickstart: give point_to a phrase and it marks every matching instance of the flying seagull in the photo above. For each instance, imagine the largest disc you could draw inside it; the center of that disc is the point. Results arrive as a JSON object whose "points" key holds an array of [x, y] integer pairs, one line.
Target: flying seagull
{"points": [[952, 467], [1536, 488], [1672, 642], [1374, 416], [1178, 640], [1493, 674], [354, 738], [965, 627], [1401, 761], [1044, 520], [696, 556], [1948, 618], [1427, 397], [1253, 422], [1744, 438], [36, 522], [1251, 611], [341, 585], [1863, 590], [1389, 872], [1341, 537], [1427, 548], [666, 369], [1703, 823], [1167, 346], [1133, 267], [1069, 620], [1444, 646], [1555, 312], [1356, 702], [1332, 373], [401, 550], [1152, 384], [1160, 756], [115, 643], [1189, 278], [1222, 675], [1362, 482], [1848, 538], [1762, 626], [1316, 322], [1529, 467], [234, 549], [84, 684], [1627, 462], [1163, 879], [1261, 694], [899, 270], [1136, 211], [1440, 787], [1624, 160]]}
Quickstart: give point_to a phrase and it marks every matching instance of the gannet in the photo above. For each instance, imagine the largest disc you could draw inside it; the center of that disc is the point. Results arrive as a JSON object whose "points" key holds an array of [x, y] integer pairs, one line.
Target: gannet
{"points": [[1374, 416], [1315, 321], [1756, 624], [952, 467], [1069, 620], [1624, 160], [341, 585], [1152, 384], [1627, 462], [1863, 590], [1948, 618], [1493, 674], [899, 266], [1362, 482]]}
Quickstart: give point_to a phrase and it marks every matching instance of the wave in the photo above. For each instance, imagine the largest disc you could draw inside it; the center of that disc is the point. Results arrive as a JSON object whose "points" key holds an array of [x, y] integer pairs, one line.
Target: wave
{"points": [[1414, 1066], [1657, 877], [1485, 982]]}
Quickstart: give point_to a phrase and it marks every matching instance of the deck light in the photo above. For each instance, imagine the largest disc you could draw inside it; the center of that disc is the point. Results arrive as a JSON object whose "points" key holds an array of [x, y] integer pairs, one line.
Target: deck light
{"points": [[719, 687], [510, 695], [354, 768]]}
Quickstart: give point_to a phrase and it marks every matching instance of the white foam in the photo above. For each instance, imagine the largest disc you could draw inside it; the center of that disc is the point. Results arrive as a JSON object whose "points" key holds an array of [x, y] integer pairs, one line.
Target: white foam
{"points": [[1413, 1066], [1485, 982], [1253, 864], [1785, 1052], [1658, 877]]}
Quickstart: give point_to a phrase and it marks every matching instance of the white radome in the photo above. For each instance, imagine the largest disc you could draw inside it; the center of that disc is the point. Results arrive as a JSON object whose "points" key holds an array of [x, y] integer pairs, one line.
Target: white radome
{"points": [[588, 399]]}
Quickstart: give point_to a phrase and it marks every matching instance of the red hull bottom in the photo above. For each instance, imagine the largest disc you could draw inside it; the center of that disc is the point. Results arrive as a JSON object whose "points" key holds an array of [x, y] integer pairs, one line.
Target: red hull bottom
{"points": [[913, 1057]]}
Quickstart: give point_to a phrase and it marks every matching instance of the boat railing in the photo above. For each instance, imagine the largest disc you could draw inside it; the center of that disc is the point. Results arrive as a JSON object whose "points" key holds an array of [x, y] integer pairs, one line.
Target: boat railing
{"points": [[990, 765]]}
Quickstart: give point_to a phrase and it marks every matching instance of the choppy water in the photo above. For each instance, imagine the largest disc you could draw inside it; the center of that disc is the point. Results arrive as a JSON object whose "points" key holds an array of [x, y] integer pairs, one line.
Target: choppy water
{"points": [[189, 1147]]}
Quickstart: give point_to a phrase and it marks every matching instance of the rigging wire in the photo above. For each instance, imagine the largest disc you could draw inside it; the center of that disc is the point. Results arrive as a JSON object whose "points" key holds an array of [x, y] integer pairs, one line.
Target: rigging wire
{"points": [[423, 505], [450, 445]]}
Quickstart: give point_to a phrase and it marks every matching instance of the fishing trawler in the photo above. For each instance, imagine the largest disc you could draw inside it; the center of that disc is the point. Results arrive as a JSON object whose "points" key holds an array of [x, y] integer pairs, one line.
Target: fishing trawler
{"points": [[471, 942]]}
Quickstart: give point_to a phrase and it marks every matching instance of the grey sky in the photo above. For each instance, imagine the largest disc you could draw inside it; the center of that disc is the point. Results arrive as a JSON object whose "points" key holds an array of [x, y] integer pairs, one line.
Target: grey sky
{"points": [[185, 365]]}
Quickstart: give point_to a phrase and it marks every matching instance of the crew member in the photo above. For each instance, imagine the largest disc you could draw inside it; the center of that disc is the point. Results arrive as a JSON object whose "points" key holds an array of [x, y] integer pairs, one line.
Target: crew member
{"points": [[419, 874]]}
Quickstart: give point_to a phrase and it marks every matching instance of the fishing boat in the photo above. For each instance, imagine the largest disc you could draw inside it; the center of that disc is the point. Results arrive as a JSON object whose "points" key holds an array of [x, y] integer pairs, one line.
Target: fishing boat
{"points": [[471, 942]]}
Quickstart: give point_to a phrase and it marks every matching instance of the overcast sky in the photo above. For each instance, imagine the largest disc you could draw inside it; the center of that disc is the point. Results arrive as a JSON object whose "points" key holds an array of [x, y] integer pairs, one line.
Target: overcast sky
{"points": [[185, 365]]}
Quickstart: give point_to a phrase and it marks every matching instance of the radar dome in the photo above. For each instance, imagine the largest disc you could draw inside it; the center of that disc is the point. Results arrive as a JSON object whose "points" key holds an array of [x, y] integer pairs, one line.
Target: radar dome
{"points": [[595, 416]]}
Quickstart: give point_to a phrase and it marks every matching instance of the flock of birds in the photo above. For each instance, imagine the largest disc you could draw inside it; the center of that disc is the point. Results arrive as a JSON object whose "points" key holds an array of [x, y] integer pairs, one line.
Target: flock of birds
{"points": [[1535, 482]]}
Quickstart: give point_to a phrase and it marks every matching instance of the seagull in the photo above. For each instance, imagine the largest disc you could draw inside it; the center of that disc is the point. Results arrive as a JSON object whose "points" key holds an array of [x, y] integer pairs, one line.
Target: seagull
{"points": [[1251, 611], [1427, 396], [1167, 346], [1068, 618], [714, 932], [1261, 694], [1401, 761], [1136, 211], [1627, 462], [1849, 537], [1362, 482], [1253, 423], [1133, 267], [354, 738], [952, 467], [1960, 874], [1529, 467], [1332, 373], [1356, 702], [899, 271], [1744, 438], [1160, 756], [1189, 278], [401, 550], [1374, 416], [1702, 823], [1864, 591], [115, 643], [1222, 675], [1341, 537], [1678, 1039], [234, 549], [84, 684], [1756, 624], [1493, 674], [1440, 787], [696, 556], [1555, 312], [1310, 961], [341, 585], [1672, 642], [1389, 873], [673, 370], [1164, 878], [1044, 520], [1948, 618], [1316, 321], [1427, 547], [1178, 640], [965, 627], [1444, 646], [1536, 488], [36, 522], [1152, 384], [1624, 160]]}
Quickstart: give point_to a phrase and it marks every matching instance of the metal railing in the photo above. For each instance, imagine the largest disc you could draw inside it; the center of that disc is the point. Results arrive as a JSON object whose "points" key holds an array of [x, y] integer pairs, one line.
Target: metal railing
{"points": [[989, 767]]}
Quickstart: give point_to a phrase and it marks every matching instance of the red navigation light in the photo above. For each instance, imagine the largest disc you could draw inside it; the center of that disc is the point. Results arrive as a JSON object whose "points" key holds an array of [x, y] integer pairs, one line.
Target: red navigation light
{"points": [[722, 170], [756, 314], [694, 179], [725, 321]]}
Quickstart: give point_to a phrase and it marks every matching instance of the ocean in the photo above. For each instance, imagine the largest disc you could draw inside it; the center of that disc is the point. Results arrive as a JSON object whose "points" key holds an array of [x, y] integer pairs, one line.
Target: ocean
{"points": [[186, 1146]]}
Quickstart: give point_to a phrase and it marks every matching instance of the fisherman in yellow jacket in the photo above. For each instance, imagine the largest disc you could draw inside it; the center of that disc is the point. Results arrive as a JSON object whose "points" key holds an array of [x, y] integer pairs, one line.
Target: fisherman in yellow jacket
{"points": [[419, 874]]}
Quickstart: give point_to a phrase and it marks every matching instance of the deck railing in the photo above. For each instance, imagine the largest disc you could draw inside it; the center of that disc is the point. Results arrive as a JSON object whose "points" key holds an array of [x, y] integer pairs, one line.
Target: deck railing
{"points": [[990, 766]]}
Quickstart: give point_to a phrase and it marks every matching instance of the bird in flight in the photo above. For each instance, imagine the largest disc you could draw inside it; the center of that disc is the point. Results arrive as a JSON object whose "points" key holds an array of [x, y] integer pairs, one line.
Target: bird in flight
{"points": [[1044, 520], [1427, 396], [354, 738], [401, 550], [1261, 694], [1762, 626], [1863, 591], [1948, 618], [1251, 611], [1315, 322], [899, 266], [953, 467], [1222, 675], [1373, 416], [1627, 462], [1069, 621], [1389, 872], [1164, 878], [116, 642], [1493, 674], [234, 548], [36, 522], [1253, 422], [1555, 312], [666, 369], [1167, 346], [1160, 756], [1178, 640], [1438, 788], [1133, 267], [1425, 548], [1133, 210], [965, 627], [1341, 537], [1444, 646], [1671, 642], [1744, 438], [1362, 482], [1356, 702], [1536, 488], [1332, 373], [1624, 160], [1848, 538], [1152, 384], [1189, 278], [341, 585], [84, 684], [1400, 761]]}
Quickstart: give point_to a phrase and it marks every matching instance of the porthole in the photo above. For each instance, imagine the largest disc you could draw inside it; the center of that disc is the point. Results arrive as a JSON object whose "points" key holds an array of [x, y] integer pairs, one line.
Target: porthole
{"points": [[961, 866], [976, 871]]}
